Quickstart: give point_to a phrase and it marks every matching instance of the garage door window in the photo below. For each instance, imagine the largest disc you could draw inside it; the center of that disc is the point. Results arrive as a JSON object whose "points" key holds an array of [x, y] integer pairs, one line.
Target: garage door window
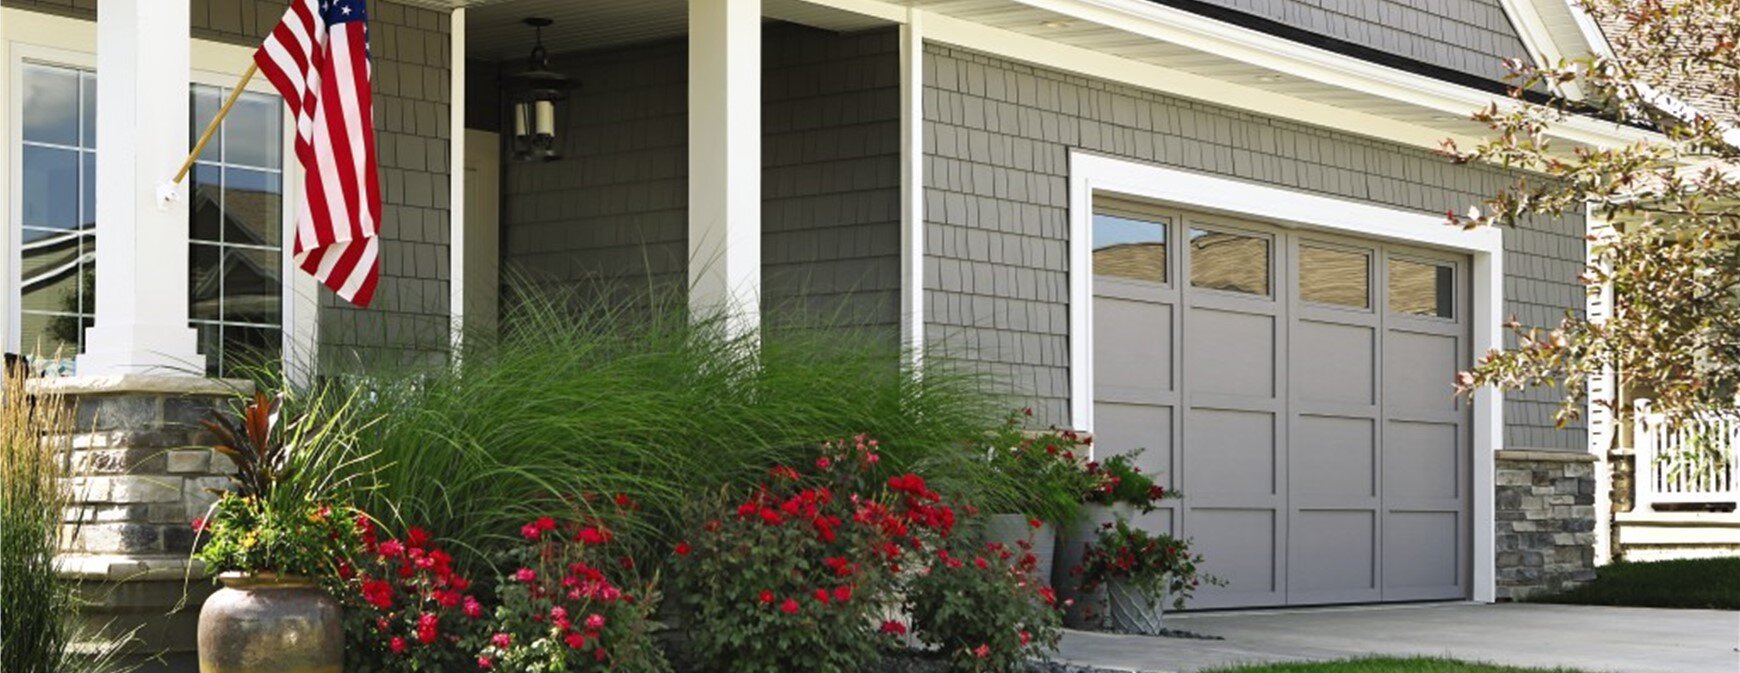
{"points": [[1422, 288], [1231, 262], [1334, 276], [1130, 247]]}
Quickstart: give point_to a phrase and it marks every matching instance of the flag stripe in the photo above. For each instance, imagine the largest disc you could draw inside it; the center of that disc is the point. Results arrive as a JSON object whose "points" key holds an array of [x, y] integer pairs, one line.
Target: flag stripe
{"points": [[317, 58]]}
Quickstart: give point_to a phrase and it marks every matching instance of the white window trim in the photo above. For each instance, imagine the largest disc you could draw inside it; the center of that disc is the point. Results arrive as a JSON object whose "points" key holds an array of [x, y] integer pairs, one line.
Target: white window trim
{"points": [[1294, 209], [37, 37]]}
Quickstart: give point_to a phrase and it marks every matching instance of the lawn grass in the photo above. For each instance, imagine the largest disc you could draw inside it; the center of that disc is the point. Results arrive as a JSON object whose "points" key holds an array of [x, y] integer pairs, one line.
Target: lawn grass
{"points": [[1712, 584], [1388, 665]]}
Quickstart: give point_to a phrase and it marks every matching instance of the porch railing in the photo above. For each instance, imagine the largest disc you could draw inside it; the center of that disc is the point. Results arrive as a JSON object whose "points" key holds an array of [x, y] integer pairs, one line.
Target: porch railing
{"points": [[1692, 461]]}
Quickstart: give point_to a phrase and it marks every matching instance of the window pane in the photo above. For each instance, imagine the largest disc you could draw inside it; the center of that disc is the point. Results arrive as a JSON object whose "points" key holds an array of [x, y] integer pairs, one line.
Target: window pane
{"points": [[1339, 277], [204, 284], [88, 108], [206, 201], [88, 190], [49, 274], [251, 132], [252, 210], [1419, 288], [51, 187], [251, 286], [1126, 247], [247, 348], [51, 105], [50, 337], [206, 101], [1231, 262], [211, 346]]}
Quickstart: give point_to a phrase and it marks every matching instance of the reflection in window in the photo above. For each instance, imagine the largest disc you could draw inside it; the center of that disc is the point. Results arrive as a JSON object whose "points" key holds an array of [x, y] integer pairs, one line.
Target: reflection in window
{"points": [[1126, 247], [1226, 261], [1330, 276], [1420, 288], [57, 258], [236, 229]]}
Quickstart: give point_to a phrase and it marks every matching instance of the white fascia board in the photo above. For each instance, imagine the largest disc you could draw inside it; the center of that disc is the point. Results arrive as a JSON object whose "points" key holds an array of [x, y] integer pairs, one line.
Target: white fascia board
{"points": [[1169, 24]]}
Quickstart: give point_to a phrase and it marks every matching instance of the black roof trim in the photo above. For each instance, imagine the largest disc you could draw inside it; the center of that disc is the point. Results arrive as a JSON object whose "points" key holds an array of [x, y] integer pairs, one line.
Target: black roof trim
{"points": [[1346, 48]]}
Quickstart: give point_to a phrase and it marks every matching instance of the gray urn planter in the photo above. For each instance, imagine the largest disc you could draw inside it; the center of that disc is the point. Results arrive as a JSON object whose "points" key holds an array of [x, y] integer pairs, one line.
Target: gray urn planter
{"points": [[270, 624], [1088, 608], [1010, 530], [1130, 610]]}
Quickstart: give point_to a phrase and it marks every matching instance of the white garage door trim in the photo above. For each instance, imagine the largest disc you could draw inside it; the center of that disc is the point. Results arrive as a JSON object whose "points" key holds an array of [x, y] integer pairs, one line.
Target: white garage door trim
{"points": [[1298, 210]]}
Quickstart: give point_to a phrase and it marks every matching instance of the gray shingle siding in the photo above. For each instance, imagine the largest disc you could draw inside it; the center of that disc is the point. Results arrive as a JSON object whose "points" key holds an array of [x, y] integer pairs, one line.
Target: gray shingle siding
{"points": [[1468, 36], [409, 319], [997, 138], [611, 215]]}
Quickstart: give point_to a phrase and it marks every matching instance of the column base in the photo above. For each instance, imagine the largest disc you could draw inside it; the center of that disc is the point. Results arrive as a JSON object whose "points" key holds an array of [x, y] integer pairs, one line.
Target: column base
{"points": [[163, 350]]}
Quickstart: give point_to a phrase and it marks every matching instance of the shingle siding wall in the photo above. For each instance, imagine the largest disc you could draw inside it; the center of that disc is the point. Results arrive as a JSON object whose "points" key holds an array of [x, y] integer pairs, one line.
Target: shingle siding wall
{"points": [[1468, 36], [831, 176], [997, 139], [611, 215], [408, 321]]}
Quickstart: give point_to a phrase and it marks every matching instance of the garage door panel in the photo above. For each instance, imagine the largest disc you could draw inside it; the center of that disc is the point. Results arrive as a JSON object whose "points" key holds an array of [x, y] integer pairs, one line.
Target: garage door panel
{"points": [[1128, 427], [1230, 353], [1422, 461], [1421, 555], [1234, 452], [1333, 362], [1334, 556], [1237, 545], [1135, 340], [1334, 457], [1417, 371]]}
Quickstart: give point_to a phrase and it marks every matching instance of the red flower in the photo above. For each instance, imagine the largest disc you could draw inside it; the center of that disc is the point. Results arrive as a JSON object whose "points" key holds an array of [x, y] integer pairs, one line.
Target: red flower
{"points": [[199, 524], [1035, 523], [485, 663], [575, 640], [842, 593], [982, 651], [822, 596], [417, 537], [784, 472], [502, 640], [623, 501], [545, 523], [767, 598], [427, 628], [397, 644], [378, 594], [683, 549], [530, 532], [789, 607], [473, 609], [526, 575], [392, 549], [893, 628], [593, 535], [594, 621], [824, 464], [1026, 638]]}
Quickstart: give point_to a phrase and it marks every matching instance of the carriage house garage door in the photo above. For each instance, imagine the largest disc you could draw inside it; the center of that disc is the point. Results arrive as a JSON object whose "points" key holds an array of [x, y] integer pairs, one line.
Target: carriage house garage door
{"points": [[1296, 387]]}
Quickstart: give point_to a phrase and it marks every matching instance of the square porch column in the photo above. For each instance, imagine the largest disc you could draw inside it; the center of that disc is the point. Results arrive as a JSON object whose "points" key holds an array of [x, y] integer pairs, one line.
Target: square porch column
{"points": [[725, 161], [143, 61]]}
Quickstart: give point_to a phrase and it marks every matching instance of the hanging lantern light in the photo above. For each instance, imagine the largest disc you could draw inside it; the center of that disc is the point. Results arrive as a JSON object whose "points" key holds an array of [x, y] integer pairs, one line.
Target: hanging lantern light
{"points": [[534, 95]]}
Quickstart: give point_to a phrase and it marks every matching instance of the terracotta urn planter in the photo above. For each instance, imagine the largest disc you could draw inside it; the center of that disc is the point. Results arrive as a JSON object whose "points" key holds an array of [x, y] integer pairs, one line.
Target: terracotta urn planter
{"points": [[1130, 610], [265, 623], [1010, 530]]}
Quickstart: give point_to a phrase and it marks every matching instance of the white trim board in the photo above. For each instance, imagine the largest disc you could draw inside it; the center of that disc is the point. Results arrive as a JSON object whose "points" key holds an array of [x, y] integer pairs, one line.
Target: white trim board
{"points": [[1090, 172], [912, 185]]}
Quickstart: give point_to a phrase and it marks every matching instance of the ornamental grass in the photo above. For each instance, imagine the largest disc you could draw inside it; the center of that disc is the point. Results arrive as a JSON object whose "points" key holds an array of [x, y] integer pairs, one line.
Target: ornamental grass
{"points": [[579, 399]]}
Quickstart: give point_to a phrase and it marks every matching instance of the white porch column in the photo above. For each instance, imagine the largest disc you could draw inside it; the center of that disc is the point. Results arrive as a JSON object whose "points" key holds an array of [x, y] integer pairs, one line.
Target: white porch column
{"points": [[142, 120], [725, 161]]}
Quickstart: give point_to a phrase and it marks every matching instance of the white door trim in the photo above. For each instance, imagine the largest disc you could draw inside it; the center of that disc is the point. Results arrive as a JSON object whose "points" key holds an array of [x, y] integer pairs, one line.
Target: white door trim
{"points": [[1296, 209]]}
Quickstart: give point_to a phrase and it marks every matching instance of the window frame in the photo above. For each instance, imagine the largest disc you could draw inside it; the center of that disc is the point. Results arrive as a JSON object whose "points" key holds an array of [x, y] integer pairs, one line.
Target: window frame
{"points": [[1112, 206], [37, 38], [1372, 258], [1424, 259]]}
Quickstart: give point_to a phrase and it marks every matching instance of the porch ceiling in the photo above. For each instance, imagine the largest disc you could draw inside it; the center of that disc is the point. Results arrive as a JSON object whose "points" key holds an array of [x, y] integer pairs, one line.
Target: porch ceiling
{"points": [[494, 30]]}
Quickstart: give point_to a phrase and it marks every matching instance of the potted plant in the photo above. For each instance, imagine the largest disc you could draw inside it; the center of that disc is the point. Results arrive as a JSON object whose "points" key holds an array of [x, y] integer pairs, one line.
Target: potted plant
{"points": [[1044, 471], [1140, 572], [1114, 489], [271, 539]]}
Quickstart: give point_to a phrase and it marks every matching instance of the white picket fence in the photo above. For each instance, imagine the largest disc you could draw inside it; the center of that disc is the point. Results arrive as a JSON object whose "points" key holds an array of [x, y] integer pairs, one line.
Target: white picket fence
{"points": [[1692, 461]]}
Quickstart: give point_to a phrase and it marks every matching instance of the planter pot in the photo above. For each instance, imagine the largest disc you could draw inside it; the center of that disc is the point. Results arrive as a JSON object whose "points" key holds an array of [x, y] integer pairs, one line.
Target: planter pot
{"points": [[1012, 529], [266, 623], [1130, 610], [1072, 541]]}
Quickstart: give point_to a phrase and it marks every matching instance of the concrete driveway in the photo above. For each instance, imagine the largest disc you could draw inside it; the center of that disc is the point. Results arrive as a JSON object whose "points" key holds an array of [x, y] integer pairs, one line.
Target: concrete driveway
{"points": [[1628, 640]]}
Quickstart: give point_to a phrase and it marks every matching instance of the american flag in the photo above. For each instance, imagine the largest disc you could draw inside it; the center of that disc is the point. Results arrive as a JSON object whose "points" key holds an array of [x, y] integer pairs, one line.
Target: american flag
{"points": [[318, 58]]}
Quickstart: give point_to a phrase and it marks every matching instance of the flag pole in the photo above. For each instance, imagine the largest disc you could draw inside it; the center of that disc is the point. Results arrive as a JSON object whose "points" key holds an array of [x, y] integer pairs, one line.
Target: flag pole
{"points": [[211, 128]]}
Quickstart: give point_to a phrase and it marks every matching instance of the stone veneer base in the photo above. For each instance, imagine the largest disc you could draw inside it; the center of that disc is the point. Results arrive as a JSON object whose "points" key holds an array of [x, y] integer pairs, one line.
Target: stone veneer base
{"points": [[1545, 514]]}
